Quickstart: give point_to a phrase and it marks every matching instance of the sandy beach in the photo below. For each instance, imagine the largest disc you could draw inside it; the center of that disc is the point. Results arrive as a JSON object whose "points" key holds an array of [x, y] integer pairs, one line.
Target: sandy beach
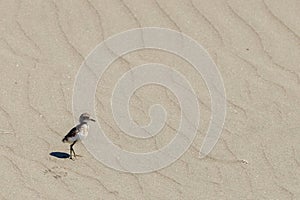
{"points": [[256, 47]]}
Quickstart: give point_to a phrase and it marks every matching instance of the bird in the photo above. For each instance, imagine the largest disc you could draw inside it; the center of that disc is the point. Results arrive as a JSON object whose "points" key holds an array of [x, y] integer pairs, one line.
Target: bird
{"points": [[78, 133]]}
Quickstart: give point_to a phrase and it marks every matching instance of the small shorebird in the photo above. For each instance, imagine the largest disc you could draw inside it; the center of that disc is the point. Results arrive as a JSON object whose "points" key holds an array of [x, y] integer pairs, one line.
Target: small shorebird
{"points": [[78, 133]]}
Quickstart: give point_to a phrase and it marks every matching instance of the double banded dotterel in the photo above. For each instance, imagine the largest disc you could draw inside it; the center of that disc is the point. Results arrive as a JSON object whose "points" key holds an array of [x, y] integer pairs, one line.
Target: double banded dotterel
{"points": [[78, 133]]}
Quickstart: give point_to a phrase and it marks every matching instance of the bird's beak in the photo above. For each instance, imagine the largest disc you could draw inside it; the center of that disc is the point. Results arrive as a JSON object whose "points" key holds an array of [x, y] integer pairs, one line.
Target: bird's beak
{"points": [[93, 120]]}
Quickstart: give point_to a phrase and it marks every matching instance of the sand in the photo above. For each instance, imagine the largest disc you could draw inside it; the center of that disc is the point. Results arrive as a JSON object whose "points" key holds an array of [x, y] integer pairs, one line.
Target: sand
{"points": [[256, 46]]}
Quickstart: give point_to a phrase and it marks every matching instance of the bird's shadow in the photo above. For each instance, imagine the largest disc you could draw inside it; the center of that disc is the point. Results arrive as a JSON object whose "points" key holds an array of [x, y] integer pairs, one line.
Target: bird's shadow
{"points": [[61, 155]]}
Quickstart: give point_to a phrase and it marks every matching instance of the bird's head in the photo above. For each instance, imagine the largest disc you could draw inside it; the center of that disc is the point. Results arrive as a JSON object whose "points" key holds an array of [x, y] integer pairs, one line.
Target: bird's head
{"points": [[85, 117]]}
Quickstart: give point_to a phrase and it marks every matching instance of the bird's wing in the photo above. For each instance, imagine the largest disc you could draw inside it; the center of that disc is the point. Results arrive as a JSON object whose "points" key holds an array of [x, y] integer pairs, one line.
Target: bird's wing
{"points": [[71, 133]]}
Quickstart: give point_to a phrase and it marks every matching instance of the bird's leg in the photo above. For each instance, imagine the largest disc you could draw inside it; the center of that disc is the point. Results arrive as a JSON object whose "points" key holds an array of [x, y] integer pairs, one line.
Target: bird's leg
{"points": [[74, 153], [72, 150]]}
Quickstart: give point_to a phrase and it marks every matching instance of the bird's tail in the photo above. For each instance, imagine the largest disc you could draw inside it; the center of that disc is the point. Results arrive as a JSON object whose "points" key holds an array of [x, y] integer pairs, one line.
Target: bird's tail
{"points": [[64, 140]]}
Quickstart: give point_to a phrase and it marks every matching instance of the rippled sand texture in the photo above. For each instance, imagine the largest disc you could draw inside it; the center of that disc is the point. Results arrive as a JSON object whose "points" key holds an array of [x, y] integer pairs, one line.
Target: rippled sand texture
{"points": [[256, 45]]}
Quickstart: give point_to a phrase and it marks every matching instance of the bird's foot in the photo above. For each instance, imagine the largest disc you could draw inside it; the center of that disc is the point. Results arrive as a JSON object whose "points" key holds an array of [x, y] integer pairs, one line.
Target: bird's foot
{"points": [[74, 156]]}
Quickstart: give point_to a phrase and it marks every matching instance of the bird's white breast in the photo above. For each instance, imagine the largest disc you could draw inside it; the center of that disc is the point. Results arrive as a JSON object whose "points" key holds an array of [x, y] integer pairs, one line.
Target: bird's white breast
{"points": [[84, 130]]}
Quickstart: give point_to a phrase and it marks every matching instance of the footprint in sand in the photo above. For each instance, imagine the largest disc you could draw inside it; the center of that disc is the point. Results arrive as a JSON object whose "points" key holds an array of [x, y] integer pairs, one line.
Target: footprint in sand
{"points": [[56, 172]]}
